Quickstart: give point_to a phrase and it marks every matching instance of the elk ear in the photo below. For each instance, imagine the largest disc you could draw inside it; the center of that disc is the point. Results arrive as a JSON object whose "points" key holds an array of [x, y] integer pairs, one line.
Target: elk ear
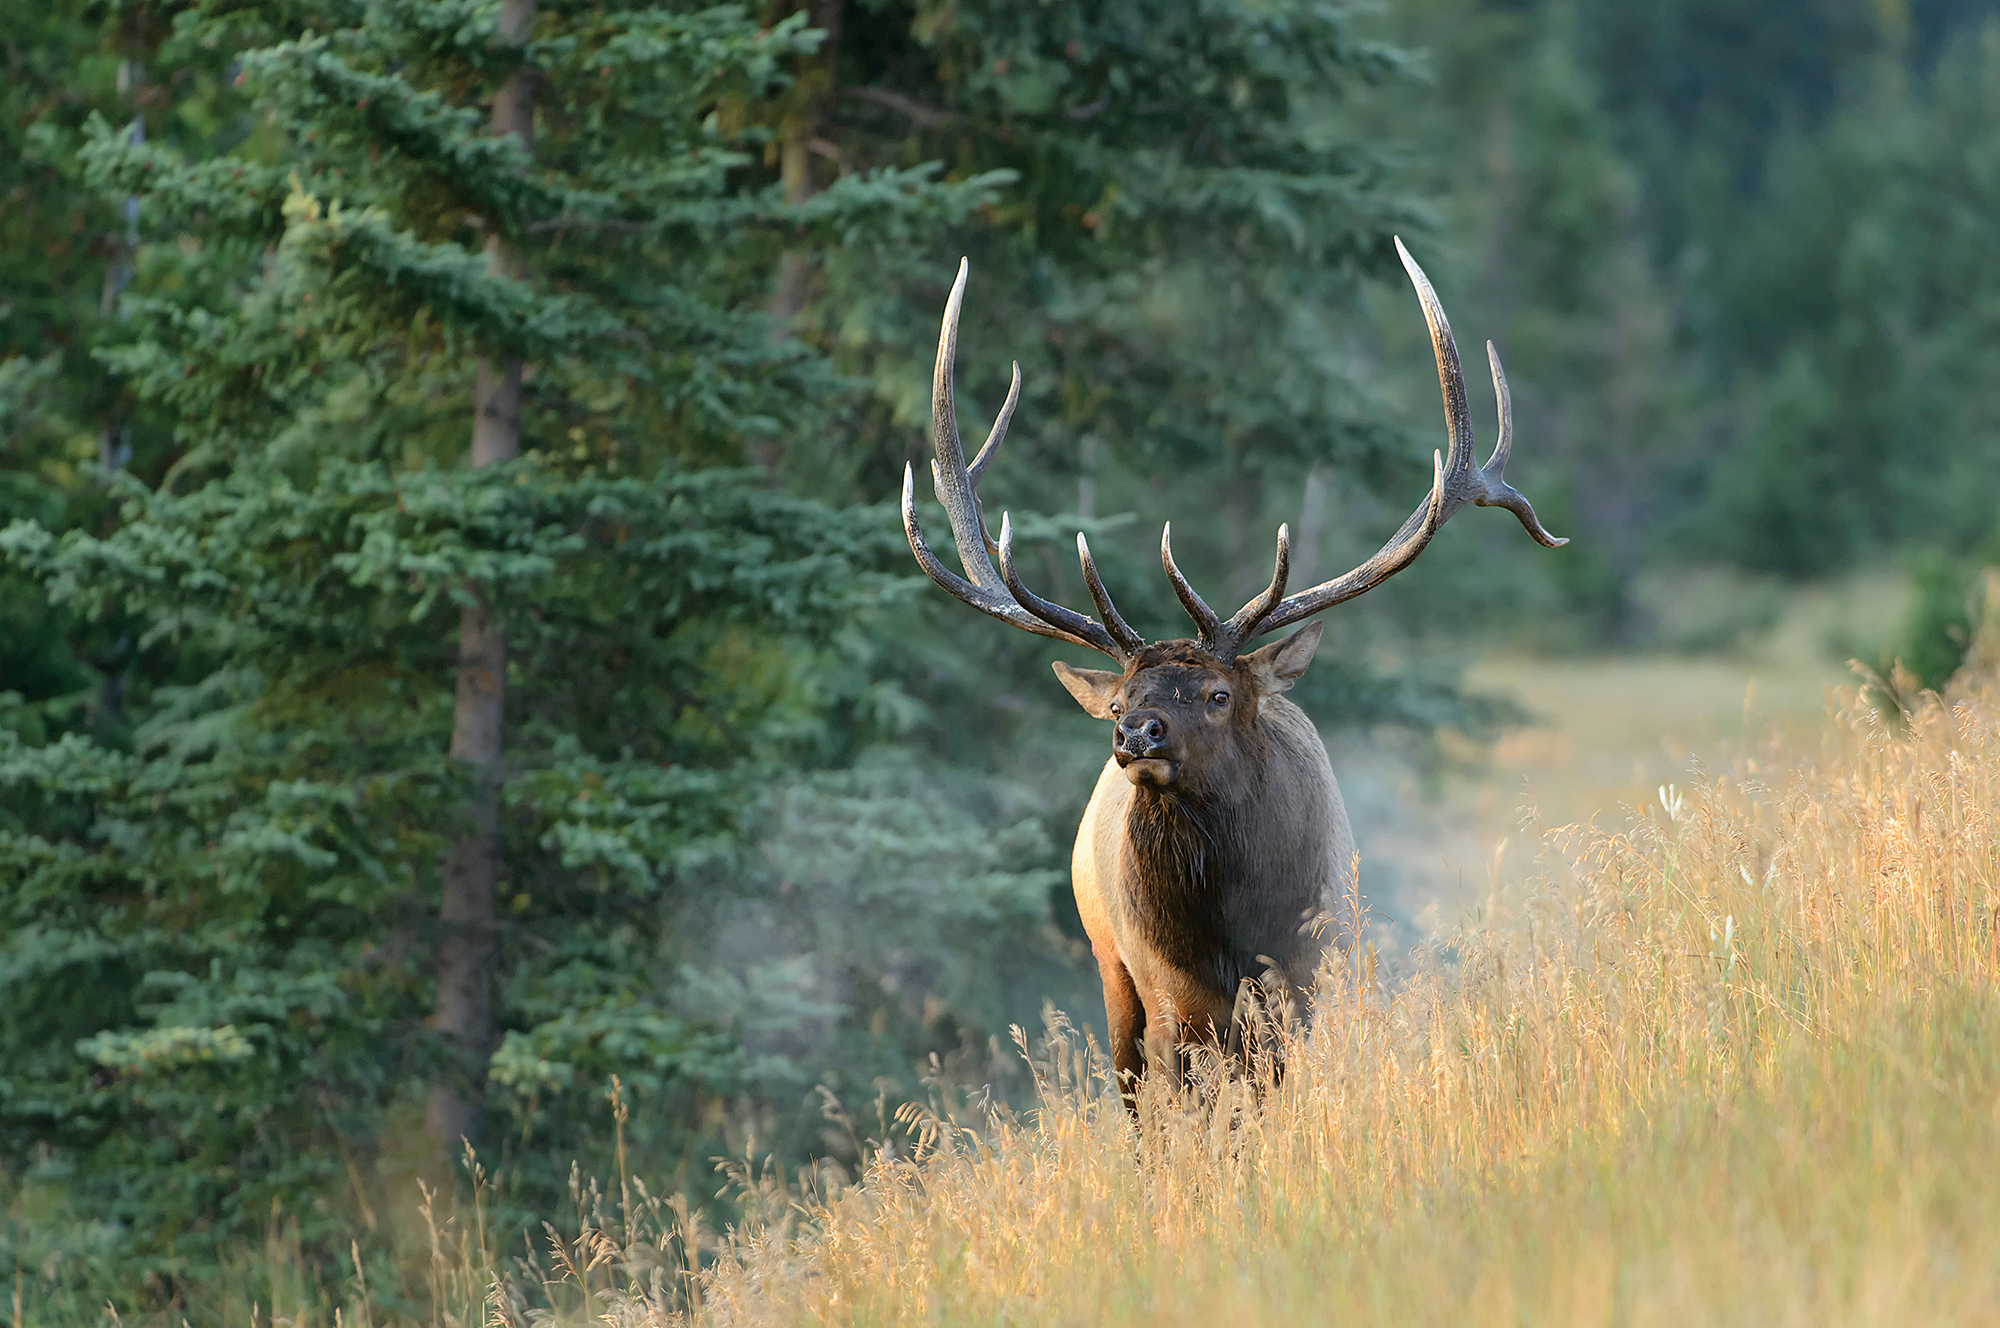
{"points": [[1092, 688], [1277, 666]]}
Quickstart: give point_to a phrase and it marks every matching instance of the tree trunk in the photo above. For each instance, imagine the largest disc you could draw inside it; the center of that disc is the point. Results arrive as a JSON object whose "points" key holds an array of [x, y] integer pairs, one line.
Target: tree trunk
{"points": [[469, 945], [798, 133], [813, 92], [795, 173]]}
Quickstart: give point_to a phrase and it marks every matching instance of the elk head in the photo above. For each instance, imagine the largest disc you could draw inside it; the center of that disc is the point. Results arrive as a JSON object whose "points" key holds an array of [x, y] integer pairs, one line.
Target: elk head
{"points": [[1174, 704], [1178, 710]]}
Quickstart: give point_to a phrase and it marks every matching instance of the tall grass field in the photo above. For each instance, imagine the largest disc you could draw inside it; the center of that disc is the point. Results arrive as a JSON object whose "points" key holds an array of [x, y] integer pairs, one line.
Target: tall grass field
{"points": [[1737, 1062]]}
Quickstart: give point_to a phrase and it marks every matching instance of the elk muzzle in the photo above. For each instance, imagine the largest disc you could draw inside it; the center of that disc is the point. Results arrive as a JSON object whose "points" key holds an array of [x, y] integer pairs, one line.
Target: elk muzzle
{"points": [[1139, 745]]}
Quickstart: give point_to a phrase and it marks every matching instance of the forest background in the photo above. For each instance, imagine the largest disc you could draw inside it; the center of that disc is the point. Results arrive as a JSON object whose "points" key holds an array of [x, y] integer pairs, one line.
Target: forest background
{"points": [[754, 820]]}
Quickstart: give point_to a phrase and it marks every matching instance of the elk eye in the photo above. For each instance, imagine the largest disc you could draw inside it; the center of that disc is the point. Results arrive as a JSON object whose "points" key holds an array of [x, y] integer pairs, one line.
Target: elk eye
{"points": [[1220, 698], [1116, 709]]}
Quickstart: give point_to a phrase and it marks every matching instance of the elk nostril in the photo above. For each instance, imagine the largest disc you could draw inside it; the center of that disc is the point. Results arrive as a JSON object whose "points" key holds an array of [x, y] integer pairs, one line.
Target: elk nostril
{"points": [[1141, 731]]}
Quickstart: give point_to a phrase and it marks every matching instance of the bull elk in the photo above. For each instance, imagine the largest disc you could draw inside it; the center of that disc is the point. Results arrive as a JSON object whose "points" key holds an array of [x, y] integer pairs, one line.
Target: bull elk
{"points": [[1215, 845]]}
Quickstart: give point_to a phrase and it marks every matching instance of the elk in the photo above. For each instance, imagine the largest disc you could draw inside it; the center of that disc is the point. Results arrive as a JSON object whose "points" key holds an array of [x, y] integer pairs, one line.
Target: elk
{"points": [[1215, 846]]}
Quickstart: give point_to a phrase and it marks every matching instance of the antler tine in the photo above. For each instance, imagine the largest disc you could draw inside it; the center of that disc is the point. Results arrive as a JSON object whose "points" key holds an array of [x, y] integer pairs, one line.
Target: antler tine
{"points": [[1101, 597], [994, 437], [1068, 620], [1503, 446], [1244, 625], [1455, 479], [999, 604], [1506, 495], [1205, 621], [998, 593], [998, 432], [954, 483], [1451, 379]]}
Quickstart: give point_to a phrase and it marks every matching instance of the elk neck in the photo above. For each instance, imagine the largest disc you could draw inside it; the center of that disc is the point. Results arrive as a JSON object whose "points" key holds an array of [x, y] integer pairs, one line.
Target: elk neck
{"points": [[1200, 854]]}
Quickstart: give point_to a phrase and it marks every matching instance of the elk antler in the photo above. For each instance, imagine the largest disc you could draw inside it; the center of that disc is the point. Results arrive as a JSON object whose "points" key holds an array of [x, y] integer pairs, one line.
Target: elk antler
{"points": [[999, 593], [1455, 481]]}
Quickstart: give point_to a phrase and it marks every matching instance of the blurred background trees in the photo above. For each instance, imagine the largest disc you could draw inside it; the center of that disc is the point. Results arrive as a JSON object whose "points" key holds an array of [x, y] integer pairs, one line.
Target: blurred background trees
{"points": [[774, 817]]}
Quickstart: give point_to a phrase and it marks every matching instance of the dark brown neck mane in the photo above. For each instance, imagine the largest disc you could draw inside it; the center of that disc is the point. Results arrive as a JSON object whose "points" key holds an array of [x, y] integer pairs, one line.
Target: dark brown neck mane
{"points": [[1193, 850]]}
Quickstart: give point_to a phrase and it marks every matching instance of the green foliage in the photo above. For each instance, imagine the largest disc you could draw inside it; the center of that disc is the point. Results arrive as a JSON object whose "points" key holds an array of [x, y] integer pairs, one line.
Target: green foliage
{"points": [[1736, 259], [1939, 627], [1544, 250], [1695, 90], [1858, 309], [220, 913], [1828, 210], [1949, 612]]}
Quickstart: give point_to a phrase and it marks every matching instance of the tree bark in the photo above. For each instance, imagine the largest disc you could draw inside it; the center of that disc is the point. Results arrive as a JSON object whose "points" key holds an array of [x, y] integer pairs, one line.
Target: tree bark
{"points": [[795, 174], [469, 948], [814, 91]]}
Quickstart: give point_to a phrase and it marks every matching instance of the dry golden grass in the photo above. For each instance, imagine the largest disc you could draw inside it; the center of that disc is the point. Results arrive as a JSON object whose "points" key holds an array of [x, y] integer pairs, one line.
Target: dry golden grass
{"points": [[1738, 1063]]}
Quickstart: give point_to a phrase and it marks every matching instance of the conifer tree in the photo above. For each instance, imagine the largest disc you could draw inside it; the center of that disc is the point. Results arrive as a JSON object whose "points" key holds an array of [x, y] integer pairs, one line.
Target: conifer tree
{"points": [[64, 260], [535, 229]]}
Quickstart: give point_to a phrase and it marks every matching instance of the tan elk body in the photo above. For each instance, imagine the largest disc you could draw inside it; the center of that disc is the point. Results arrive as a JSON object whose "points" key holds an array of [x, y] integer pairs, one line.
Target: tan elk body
{"points": [[1215, 847], [1180, 959]]}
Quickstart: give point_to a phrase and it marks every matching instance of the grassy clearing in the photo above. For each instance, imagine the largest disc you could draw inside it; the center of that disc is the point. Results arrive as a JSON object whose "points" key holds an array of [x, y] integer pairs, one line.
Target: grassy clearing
{"points": [[1604, 732], [1737, 1063]]}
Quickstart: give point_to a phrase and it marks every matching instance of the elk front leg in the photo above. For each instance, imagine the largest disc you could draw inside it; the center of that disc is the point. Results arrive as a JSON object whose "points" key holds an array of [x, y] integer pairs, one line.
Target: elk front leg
{"points": [[1125, 1023]]}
